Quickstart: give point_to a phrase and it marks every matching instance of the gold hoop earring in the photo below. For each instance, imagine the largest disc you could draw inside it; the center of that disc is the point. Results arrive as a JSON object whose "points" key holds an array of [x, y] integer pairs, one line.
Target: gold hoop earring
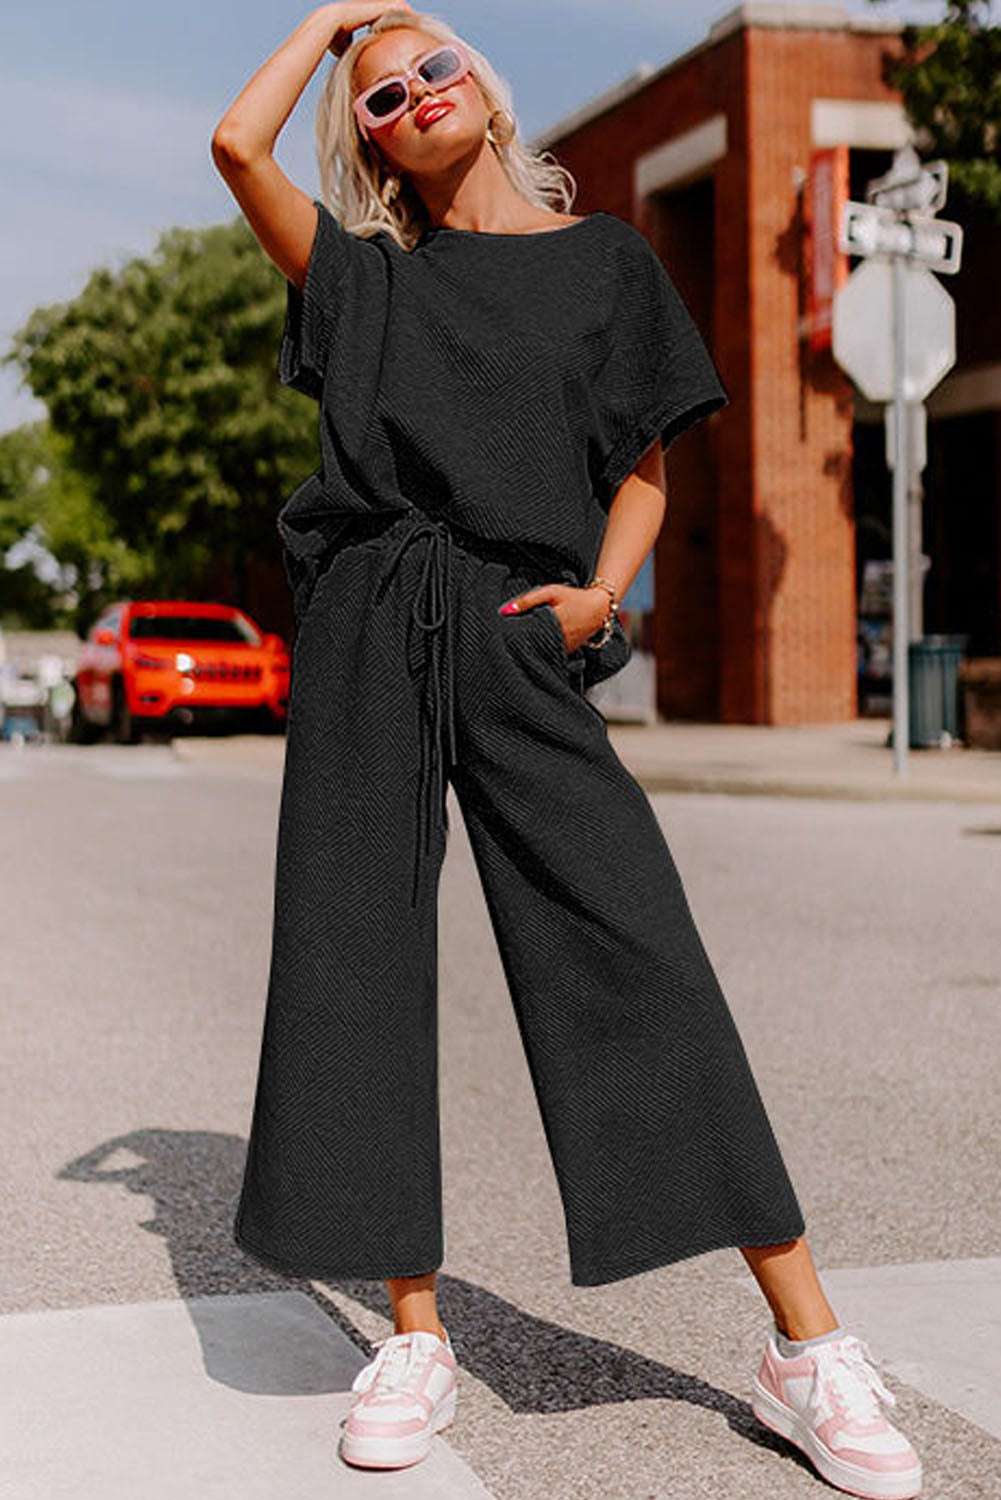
{"points": [[500, 127]]}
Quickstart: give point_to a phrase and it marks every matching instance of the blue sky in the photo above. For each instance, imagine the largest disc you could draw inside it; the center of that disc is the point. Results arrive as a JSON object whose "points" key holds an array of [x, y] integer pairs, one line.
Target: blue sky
{"points": [[107, 110]]}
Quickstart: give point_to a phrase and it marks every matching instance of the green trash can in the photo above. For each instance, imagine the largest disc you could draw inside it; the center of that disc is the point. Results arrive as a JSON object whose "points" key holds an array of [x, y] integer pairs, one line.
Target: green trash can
{"points": [[933, 690]]}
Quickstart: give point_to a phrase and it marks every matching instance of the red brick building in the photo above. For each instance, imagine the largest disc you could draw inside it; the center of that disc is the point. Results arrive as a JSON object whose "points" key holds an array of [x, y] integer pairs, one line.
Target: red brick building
{"points": [[775, 502]]}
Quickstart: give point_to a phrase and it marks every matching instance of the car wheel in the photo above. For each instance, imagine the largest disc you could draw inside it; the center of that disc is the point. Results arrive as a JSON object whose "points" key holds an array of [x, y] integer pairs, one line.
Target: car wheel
{"points": [[81, 730], [269, 722], [122, 723]]}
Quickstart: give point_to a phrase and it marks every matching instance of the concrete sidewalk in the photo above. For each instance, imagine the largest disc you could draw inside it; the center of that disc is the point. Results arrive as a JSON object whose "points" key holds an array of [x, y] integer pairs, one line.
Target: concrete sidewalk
{"points": [[847, 759], [851, 758], [210, 1397]]}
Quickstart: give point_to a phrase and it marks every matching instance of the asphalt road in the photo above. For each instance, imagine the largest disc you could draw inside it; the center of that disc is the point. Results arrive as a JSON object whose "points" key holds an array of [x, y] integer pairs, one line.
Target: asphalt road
{"points": [[860, 949]]}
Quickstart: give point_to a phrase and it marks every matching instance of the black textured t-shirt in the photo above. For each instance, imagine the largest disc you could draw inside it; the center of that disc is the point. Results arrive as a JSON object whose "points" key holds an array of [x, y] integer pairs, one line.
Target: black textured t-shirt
{"points": [[505, 382]]}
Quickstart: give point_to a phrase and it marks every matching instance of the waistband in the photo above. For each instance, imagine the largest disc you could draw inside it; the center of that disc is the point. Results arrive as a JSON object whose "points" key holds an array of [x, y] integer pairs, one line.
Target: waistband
{"points": [[325, 533]]}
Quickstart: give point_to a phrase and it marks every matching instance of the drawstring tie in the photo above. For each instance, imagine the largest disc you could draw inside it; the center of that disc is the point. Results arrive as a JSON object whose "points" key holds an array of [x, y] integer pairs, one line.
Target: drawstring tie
{"points": [[430, 611]]}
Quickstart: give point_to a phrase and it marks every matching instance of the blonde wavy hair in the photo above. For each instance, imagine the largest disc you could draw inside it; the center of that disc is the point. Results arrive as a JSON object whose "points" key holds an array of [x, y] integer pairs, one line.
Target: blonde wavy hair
{"points": [[353, 174]]}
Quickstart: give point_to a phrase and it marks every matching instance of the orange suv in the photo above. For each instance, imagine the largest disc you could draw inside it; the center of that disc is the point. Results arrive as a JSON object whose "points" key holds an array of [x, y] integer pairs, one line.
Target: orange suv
{"points": [[165, 664]]}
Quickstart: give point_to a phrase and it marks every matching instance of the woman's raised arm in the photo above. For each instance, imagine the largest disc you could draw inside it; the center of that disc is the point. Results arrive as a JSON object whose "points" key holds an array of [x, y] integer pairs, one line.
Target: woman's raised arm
{"points": [[280, 214]]}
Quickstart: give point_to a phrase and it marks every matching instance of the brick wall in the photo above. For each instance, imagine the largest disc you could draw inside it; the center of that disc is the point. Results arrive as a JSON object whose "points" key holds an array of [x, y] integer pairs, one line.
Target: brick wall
{"points": [[768, 480]]}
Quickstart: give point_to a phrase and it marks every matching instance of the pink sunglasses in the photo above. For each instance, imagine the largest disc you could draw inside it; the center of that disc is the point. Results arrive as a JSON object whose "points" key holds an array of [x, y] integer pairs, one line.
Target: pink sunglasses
{"points": [[388, 99]]}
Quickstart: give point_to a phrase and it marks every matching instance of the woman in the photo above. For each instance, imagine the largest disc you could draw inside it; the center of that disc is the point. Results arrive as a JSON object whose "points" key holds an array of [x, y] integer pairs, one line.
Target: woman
{"points": [[497, 381]]}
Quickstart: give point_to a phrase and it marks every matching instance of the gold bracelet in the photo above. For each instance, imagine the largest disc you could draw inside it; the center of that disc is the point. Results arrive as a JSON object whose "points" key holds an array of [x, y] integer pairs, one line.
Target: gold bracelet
{"points": [[613, 610]]}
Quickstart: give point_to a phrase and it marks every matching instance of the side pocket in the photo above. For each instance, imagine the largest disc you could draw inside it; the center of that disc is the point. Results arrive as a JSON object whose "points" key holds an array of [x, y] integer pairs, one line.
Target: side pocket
{"points": [[307, 555], [572, 662], [557, 630], [300, 573], [608, 659]]}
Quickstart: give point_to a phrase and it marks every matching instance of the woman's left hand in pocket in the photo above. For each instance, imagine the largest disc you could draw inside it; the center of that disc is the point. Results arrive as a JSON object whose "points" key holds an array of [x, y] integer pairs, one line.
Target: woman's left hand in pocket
{"points": [[580, 612]]}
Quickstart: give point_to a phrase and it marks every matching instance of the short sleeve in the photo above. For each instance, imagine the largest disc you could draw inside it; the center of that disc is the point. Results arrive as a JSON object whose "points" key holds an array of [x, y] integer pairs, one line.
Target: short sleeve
{"points": [[659, 377], [311, 314]]}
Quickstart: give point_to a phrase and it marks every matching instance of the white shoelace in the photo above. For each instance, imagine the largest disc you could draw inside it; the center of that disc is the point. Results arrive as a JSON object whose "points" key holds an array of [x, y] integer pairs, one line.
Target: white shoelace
{"points": [[400, 1357], [846, 1364]]}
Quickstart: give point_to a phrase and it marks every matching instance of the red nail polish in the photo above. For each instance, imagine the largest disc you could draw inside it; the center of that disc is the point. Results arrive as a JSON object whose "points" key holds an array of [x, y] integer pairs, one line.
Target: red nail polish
{"points": [[509, 608]]}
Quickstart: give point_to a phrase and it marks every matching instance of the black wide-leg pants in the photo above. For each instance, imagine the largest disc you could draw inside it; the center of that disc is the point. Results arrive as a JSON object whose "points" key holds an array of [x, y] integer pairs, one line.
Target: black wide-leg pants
{"points": [[659, 1139]]}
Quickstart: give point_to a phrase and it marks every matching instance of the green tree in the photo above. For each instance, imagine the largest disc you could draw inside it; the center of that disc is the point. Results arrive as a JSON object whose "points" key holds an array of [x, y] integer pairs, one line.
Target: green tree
{"points": [[43, 496], [160, 381], [949, 77]]}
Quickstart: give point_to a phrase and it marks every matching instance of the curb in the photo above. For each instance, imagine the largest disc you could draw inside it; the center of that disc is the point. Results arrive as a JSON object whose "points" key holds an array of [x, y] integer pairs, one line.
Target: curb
{"points": [[266, 752]]}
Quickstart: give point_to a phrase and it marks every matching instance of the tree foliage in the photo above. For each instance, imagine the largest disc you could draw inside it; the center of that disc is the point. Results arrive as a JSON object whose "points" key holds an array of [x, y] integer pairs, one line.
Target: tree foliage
{"points": [[949, 77], [161, 386], [45, 498]]}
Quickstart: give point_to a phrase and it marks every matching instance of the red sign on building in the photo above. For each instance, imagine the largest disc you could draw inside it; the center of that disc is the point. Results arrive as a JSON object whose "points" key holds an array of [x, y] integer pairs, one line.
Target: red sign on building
{"points": [[826, 192]]}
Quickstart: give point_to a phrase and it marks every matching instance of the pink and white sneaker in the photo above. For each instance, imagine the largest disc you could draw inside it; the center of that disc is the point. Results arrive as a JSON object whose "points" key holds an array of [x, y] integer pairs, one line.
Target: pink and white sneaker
{"points": [[825, 1401], [407, 1394]]}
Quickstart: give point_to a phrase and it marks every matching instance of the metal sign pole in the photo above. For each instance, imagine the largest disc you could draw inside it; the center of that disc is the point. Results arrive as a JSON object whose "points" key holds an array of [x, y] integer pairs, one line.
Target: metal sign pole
{"points": [[901, 550], [901, 242], [915, 491]]}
